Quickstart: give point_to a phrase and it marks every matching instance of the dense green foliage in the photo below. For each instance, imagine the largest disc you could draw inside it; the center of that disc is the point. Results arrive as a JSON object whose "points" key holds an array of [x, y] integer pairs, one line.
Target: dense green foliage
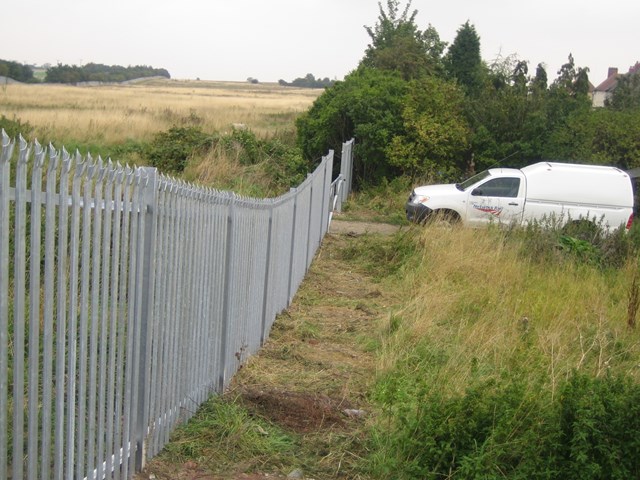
{"points": [[435, 135], [367, 106], [463, 61], [419, 108], [170, 150], [590, 430], [627, 93], [398, 45], [308, 81], [16, 71], [14, 126], [91, 72], [95, 72]]}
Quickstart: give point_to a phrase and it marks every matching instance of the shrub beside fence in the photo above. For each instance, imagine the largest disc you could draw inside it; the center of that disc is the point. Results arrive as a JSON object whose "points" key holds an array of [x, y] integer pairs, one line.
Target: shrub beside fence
{"points": [[127, 298]]}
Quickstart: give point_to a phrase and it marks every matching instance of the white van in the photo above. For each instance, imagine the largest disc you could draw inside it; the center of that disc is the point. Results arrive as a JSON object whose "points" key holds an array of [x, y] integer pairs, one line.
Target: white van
{"points": [[563, 191]]}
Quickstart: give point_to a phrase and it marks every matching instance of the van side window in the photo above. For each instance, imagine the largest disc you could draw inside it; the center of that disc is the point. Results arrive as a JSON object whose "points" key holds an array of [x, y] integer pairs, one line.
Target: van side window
{"points": [[499, 187]]}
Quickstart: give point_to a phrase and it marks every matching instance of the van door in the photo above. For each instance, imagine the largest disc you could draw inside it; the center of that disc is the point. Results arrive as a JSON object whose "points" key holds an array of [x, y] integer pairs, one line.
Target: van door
{"points": [[496, 200]]}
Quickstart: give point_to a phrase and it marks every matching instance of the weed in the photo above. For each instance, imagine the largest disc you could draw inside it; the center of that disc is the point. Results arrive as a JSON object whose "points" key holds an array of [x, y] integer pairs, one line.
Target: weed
{"points": [[507, 429], [634, 297], [553, 239]]}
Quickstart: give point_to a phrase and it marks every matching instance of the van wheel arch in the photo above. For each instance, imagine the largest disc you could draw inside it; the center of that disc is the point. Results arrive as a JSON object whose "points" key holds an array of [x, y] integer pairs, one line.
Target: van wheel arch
{"points": [[445, 217]]}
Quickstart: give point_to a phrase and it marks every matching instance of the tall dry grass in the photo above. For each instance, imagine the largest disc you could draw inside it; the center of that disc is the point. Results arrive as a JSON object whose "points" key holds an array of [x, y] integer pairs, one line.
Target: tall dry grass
{"points": [[112, 114], [480, 308], [224, 169]]}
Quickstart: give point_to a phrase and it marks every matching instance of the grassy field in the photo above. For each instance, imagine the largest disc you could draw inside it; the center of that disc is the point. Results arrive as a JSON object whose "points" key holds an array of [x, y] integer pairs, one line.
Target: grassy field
{"points": [[115, 114], [227, 135]]}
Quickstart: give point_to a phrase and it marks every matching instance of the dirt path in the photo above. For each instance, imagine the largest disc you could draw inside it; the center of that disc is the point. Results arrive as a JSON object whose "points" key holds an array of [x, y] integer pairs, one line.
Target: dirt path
{"points": [[312, 375], [339, 226]]}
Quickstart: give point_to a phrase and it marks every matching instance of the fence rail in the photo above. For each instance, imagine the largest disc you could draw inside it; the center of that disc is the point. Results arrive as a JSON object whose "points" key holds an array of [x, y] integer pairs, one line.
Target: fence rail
{"points": [[128, 297]]}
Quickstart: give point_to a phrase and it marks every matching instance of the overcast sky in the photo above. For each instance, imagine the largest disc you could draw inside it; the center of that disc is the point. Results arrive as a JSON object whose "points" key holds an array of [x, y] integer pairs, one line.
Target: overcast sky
{"points": [[286, 39]]}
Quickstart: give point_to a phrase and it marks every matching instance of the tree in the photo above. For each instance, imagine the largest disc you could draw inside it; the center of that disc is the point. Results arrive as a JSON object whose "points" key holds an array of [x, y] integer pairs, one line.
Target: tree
{"points": [[626, 95], [309, 81], [463, 60], [367, 105], [602, 136], [572, 80], [435, 136], [397, 44], [568, 94], [96, 72], [16, 71], [508, 115], [540, 81]]}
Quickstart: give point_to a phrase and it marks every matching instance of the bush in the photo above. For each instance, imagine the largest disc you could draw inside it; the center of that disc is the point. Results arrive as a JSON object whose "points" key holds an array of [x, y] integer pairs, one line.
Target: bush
{"points": [[367, 105], [14, 126], [170, 150], [506, 429], [599, 428], [582, 241]]}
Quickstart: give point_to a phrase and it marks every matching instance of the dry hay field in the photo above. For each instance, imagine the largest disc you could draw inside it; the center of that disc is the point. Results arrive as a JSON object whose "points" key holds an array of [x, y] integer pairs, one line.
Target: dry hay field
{"points": [[110, 114]]}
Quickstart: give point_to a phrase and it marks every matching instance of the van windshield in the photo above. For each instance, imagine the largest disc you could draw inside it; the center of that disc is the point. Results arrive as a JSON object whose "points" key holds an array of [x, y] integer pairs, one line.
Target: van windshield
{"points": [[473, 180]]}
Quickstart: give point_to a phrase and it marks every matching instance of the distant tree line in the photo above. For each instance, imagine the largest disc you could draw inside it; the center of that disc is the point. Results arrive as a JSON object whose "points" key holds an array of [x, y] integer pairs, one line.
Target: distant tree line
{"points": [[309, 81], [16, 71], [419, 107], [96, 72], [91, 72]]}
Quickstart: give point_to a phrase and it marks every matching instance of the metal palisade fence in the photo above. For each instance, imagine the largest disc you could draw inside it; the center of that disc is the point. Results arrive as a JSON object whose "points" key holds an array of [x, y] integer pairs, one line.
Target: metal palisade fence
{"points": [[127, 298]]}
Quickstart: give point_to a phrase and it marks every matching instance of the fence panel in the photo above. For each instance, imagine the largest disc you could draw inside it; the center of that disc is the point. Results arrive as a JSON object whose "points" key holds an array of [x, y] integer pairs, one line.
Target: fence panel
{"points": [[128, 298]]}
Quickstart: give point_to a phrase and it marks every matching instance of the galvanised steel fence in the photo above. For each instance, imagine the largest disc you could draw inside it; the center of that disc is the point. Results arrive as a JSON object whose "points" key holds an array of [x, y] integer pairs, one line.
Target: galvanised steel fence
{"points": [[127, 298]]}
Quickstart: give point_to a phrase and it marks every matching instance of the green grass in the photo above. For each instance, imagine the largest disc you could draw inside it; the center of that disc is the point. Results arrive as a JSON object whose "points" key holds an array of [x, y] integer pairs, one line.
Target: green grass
{"points": [[383, 203], [384, 256], [223, 433]]}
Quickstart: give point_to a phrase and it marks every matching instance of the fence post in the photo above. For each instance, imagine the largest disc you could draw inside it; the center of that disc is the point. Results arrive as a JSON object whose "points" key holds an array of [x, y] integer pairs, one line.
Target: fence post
{"points": [[326, 192], [306, 257], [5, 155], [293, 249], [263, 332], [150, 201], [226, 307]]}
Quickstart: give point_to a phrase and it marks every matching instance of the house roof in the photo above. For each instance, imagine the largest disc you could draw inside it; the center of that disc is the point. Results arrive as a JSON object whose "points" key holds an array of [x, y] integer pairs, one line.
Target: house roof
{"points": [[611, 82]]}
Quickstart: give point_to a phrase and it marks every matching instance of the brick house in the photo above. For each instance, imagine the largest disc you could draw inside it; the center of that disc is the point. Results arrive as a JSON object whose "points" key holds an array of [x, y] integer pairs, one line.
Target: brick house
{"points": [[604, 91]]}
